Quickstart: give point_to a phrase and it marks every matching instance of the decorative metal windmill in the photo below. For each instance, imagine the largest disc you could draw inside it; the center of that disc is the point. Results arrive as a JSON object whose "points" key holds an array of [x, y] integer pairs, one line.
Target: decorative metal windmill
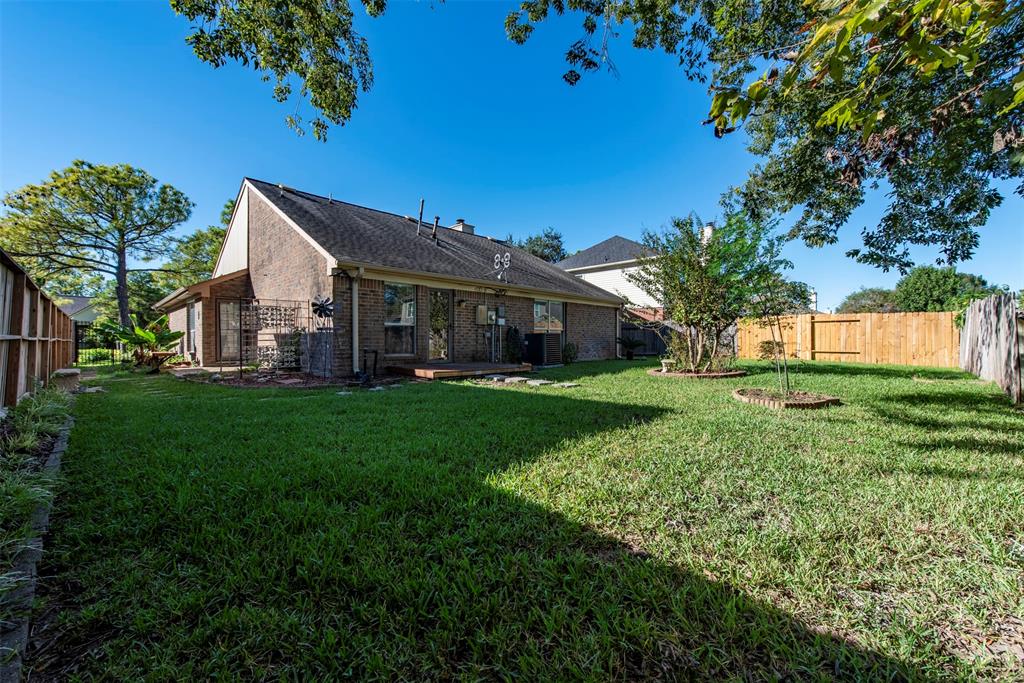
{"points": [[323, 312]]}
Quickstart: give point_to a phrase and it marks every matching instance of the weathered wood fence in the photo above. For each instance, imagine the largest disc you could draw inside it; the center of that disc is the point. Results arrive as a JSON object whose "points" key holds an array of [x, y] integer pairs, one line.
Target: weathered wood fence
{"points": [[992, 343], [36, 337], [886, 338]]}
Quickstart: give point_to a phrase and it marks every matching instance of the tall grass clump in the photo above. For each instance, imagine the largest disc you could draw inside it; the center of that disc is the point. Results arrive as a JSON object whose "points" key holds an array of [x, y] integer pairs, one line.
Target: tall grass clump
{"points": [[26, 434]]}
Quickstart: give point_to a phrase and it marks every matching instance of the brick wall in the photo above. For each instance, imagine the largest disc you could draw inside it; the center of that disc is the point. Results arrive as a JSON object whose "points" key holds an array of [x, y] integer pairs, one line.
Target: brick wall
{"points": [[177, 321], [239, 288], [282, 263], [591, 328]]}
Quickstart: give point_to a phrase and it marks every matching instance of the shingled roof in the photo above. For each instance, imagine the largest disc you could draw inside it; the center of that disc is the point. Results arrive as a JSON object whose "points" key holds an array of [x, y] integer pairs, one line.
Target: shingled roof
{"points": [[73, 304], [615, 249], [356, 234]]}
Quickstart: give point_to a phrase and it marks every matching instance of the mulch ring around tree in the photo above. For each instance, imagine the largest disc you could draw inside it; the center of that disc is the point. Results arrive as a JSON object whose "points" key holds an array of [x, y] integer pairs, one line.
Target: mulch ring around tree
{"points": [[723, 374], [773, 399]]}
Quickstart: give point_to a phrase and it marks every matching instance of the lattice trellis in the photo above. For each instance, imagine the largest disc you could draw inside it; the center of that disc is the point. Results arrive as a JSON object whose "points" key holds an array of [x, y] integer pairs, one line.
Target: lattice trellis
{"points": [[271, 333]]}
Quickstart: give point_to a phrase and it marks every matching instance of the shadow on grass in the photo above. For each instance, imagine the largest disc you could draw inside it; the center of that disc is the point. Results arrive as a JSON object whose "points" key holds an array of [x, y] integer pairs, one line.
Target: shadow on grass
{"points": [[365, 537], [880, 371]]}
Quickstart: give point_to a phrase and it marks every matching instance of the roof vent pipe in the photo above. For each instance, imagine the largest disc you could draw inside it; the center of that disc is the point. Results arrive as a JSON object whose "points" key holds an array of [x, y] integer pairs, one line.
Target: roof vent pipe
{"points": [[434, 231], [419, 221]]}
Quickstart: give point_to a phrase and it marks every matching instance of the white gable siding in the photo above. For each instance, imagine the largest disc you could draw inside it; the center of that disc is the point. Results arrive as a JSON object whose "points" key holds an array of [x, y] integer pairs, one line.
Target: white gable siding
{"points": [[234, 255], [614, 280]]}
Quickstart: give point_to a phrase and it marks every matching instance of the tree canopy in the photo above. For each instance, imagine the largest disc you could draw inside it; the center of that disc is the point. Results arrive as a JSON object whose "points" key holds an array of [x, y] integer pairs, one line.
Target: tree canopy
{"points": [[921, 98], [194, 256], [927, 288], [545, 245], [869, 300], [94, 220], [705, 278], [310, 47]]}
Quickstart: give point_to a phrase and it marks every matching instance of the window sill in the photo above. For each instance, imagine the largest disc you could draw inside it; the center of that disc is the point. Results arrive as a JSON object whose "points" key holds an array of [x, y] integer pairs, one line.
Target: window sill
{"points": [[410, 356]]}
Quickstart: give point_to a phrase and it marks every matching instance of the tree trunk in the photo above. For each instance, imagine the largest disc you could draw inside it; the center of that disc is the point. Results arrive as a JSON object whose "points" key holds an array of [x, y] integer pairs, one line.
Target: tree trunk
{"points": [[785, 362], [122, 288], [775, 355]]}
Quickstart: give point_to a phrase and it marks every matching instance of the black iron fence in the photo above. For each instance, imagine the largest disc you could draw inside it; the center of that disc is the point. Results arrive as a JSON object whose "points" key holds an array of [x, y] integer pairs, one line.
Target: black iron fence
{"points": [[95, 347]]}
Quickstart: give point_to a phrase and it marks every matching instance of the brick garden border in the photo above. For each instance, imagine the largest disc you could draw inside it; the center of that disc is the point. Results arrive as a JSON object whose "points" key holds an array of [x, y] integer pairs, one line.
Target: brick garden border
{"points": [[14, 635], [727, 374], [779, 403]]}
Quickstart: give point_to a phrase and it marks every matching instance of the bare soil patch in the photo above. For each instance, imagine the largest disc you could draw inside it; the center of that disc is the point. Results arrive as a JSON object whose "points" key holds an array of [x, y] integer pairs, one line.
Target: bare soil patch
{"points": [[723, 374]]}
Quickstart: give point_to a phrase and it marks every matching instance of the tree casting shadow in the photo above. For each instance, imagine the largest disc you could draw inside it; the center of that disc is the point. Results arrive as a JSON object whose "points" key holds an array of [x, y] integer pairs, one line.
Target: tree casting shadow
{"points": [[375, 551]]}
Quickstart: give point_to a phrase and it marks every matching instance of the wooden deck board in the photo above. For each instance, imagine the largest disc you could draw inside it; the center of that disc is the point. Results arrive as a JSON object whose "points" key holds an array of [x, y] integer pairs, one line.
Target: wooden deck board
{"points": [[456, 370]]}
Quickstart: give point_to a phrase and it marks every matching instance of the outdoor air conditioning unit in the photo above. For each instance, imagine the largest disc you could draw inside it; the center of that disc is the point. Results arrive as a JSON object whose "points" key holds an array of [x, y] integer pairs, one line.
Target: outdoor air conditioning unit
{"points": [[543, 349]]}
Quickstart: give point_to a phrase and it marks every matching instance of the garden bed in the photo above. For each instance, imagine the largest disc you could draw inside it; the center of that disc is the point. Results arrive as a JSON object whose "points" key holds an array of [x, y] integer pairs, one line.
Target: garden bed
{"points": [[795, 399], [722, 374], [33, 439]]}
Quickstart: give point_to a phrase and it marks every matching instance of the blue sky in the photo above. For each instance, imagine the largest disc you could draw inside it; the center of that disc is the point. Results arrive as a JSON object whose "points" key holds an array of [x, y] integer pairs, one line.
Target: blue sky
{"points": [[479, 127]]}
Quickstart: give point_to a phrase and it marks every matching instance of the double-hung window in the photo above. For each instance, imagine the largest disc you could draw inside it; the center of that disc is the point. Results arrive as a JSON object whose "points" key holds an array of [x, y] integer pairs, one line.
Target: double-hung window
{"points": [[399, 319]]}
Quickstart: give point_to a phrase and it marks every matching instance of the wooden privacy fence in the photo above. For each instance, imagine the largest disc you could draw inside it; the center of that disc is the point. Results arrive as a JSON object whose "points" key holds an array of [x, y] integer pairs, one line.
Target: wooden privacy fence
{"points": [[35, 335], [992, 344], [885, 338]]}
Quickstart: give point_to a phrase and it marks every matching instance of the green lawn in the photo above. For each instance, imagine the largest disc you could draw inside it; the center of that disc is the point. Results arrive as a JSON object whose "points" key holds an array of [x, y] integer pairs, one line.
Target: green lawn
{"points": [[632, 527]]}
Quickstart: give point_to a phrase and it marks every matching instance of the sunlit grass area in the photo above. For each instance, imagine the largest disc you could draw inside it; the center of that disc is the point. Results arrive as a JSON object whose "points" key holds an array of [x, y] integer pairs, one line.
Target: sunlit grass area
{"points": [[631, 527]]}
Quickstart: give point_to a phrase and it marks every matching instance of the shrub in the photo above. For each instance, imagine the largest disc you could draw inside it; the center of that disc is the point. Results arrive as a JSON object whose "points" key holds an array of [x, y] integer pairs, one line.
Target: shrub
{"points": [[769, 350], [514, 345], [569, 353]]}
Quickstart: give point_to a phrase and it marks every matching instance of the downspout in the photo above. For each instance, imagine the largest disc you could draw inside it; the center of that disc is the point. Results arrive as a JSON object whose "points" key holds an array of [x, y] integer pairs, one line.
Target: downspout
{"points": [[354, 276]]}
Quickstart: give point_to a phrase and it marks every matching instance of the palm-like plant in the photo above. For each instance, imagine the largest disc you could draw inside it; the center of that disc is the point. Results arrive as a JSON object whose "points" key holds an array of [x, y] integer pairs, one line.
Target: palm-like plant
{"points": [[630, 346], [144, 342]]}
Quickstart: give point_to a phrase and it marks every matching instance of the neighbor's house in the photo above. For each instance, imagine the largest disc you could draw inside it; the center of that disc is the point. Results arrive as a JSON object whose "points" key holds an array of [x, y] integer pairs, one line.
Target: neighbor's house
{"points": [[606, 265], [400, 292], [83, 313]]}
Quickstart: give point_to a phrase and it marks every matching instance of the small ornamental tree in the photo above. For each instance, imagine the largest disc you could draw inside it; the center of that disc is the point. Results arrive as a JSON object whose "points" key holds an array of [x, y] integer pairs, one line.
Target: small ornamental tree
{"points": [[701, 275], [772, 296]]}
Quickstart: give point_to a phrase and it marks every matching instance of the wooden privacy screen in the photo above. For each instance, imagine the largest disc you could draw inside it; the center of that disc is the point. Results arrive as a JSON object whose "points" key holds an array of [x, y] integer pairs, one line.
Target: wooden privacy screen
{"points": [[885, 338], [36, 337]]}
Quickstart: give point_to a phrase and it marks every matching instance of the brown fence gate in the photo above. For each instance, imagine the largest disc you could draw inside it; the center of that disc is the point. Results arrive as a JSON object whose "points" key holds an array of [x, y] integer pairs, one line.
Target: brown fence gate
{"points": [[930, 339]]}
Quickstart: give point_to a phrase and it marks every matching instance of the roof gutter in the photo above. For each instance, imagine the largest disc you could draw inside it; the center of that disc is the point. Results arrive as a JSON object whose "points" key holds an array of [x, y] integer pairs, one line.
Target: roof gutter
{"points": [[436, 279], [603, 266]]}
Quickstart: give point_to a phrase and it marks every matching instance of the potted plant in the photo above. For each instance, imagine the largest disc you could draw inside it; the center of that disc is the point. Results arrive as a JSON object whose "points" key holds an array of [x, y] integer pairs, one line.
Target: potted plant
{"points": [[630, 346]]}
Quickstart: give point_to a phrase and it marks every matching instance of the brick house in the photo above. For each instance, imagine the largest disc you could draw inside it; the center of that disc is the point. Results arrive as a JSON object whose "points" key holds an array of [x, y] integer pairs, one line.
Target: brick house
{"points": [[334, 277]]}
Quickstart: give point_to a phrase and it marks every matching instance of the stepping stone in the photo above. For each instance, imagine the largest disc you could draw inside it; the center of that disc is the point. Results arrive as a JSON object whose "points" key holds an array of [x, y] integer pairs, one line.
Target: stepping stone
{"points": [[566, 385], [515, 380], [344, 393], [376, 388], [496, 378], [291, 380], [538, 382], [94, 390]]}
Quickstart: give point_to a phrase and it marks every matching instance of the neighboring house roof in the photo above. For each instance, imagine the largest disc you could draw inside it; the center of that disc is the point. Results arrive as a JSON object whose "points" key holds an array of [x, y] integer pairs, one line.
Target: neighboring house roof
{"points": [[615, 249], [354, 234], [73, 304]]}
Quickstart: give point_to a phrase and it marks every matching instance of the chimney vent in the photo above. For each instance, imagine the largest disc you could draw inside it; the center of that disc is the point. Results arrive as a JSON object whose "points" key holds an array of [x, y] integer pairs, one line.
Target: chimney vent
{"points": [[462, 226]]}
